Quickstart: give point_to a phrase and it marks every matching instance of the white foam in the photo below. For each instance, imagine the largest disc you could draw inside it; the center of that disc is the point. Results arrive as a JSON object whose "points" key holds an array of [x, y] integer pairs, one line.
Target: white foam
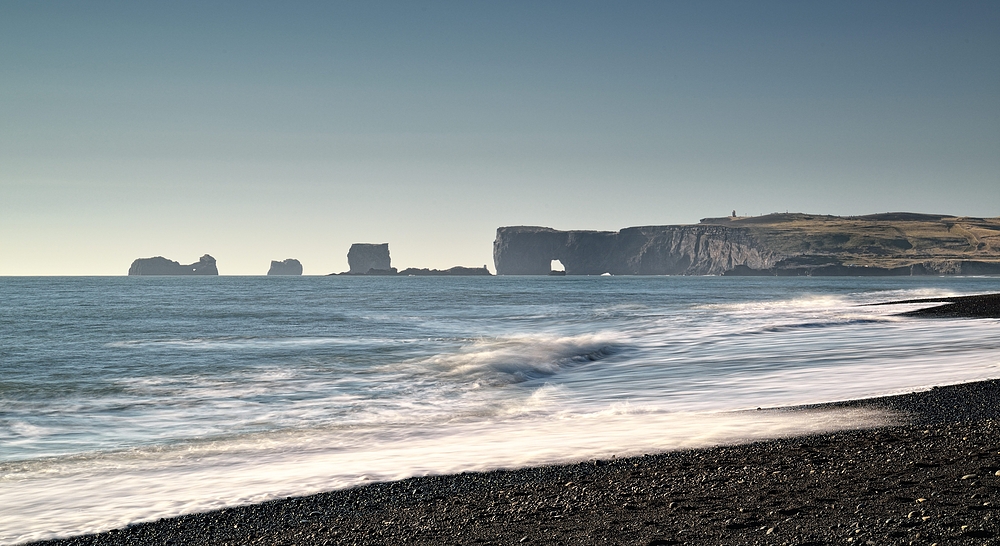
{"points": [[638, 379], [513, 359], [67, 496]]}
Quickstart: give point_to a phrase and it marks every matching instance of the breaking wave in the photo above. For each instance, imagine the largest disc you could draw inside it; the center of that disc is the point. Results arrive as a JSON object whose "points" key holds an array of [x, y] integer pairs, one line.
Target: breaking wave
{"points": [[516, 359]]}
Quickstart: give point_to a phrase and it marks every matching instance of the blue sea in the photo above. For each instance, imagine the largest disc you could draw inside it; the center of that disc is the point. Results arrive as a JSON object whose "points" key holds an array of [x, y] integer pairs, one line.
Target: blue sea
{"points": [[125, 399]]}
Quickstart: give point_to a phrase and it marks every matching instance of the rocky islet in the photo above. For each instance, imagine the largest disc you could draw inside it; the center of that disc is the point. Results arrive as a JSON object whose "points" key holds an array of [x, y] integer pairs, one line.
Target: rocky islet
{"points": [[291, 266], [161, 266]]}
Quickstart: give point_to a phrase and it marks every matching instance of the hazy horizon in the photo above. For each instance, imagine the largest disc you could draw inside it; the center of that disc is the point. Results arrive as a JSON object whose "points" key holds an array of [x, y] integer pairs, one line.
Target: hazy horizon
{"points": [[271, 131]]}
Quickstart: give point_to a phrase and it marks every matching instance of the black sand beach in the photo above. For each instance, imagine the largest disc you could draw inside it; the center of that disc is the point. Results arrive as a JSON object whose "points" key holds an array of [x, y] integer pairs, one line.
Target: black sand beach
{"points": [[977, 306], [930, 480]]}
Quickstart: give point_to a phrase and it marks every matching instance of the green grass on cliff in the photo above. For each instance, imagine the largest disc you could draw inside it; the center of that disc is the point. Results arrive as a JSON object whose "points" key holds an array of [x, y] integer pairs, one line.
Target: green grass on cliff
{"points": [[881, 240]]}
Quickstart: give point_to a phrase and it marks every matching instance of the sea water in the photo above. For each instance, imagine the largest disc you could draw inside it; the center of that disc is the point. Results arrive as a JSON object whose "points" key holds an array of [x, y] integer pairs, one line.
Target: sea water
{"points": [[135, 398]]}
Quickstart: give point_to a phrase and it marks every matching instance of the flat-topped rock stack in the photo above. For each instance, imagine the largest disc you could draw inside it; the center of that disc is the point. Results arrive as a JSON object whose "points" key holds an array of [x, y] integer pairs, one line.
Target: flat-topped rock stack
{"points": [[369, 258], [291, 266]]}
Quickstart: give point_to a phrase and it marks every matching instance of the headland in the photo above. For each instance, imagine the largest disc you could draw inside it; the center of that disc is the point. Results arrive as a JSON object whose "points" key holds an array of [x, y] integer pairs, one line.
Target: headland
{"points": [[781, 244]]}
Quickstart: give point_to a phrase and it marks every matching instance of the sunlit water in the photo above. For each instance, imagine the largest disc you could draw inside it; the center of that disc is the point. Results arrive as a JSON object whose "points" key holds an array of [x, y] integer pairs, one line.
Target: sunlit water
{"points": [[129, 399]]}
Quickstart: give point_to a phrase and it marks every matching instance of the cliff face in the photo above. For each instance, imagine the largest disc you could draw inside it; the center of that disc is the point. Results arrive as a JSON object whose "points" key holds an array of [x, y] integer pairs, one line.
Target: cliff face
{"points": [[290, 266], [650, 250], [776, 244], [162, 266], [364, 257]]}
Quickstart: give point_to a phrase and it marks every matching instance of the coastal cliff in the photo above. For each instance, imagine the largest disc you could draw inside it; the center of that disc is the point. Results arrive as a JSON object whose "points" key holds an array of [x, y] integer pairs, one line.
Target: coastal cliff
{"points": [[776, 244], [161, 266], [650, 250]]}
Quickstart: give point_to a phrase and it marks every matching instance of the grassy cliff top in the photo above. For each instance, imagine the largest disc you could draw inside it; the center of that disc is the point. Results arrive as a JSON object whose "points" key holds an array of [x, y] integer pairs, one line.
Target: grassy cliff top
{"points": [[884, 240]]}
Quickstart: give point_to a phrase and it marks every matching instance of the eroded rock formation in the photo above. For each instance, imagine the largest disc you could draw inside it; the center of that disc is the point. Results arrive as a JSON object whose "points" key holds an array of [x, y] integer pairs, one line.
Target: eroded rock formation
{"points": [[161, 266], [650, 250], [291, 266], [365, 257], [775, 244]]}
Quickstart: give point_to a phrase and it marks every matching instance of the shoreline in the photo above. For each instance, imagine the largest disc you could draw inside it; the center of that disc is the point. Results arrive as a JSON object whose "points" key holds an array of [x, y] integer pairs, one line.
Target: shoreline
{"points": [[930, 479]]}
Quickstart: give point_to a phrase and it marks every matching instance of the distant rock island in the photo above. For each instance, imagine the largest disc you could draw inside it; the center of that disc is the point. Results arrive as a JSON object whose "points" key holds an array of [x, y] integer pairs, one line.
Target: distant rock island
{"points": [[454, 271], [789, 244], [291, 266], [369, 259], [162, 266], [373, 260]]}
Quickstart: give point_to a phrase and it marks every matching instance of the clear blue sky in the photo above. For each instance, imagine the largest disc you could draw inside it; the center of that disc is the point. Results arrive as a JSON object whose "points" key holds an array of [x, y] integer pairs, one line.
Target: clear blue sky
{"points": [[260, 131]]}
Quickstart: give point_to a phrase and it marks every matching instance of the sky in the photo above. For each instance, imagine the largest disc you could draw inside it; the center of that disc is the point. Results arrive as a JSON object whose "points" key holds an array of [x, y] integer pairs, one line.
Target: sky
{"points": [[259, 131]]}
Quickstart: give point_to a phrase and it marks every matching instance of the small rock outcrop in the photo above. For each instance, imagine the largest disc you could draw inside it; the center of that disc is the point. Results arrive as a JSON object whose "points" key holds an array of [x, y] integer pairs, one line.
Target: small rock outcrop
{"points": [[291, 266], [457, 271], [363, 258], [161, 266]]}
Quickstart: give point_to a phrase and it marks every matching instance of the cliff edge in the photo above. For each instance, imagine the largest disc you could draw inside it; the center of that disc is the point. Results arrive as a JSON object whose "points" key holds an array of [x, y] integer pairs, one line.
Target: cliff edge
{"points": [[776, 244], [648, 250]]}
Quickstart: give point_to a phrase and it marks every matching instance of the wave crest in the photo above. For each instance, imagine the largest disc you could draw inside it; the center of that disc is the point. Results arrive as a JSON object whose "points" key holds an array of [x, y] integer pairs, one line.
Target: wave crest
{"points": [[517, 359]]}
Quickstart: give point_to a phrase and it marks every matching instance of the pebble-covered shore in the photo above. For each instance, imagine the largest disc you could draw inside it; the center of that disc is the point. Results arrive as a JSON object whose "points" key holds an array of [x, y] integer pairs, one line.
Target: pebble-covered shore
{"points": [[931, 480], [978, 306]]}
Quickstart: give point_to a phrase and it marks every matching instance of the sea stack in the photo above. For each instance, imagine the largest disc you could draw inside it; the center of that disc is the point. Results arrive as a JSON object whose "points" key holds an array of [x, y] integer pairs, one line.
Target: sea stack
{"points": [[291, 266], [369, 258], [161, 266]]}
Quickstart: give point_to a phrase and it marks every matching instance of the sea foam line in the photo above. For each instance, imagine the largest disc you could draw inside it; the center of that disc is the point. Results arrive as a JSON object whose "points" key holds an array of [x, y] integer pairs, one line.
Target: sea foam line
{"points": [[104, 494]]}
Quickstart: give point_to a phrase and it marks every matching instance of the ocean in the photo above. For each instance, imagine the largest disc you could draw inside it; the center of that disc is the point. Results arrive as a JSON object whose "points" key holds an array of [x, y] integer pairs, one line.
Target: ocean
{"points": [[126, 399]]}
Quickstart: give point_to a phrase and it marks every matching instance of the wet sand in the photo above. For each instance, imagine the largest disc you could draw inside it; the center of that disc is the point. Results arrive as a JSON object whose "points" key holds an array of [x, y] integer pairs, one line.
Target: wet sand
{"points": [[930, 480]]}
